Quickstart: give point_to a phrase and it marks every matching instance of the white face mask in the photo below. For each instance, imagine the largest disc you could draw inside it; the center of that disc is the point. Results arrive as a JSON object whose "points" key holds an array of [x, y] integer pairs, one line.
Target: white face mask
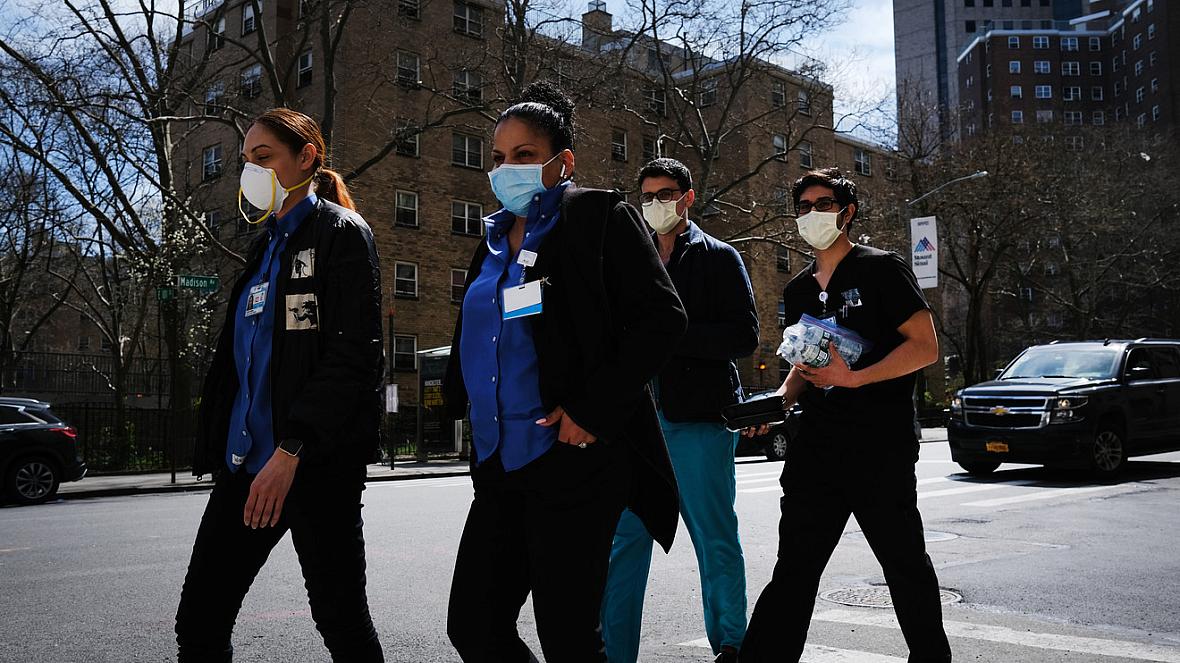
{"points": [[662, 217], [262, 189], [819, 229]]}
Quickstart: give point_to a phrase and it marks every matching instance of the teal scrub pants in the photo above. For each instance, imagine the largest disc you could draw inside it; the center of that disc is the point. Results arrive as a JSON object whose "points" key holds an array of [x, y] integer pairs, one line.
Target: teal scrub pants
{"points": [[702, 457]]}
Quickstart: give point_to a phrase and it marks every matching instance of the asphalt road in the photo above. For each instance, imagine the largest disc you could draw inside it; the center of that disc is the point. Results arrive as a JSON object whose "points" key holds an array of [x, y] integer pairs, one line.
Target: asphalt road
{"points": [[1051, 567]]}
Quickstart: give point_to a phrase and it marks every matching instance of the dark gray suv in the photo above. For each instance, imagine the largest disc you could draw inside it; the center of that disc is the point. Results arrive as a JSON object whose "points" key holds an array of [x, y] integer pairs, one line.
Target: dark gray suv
{"points": [[38, 451], [1088, 404]]}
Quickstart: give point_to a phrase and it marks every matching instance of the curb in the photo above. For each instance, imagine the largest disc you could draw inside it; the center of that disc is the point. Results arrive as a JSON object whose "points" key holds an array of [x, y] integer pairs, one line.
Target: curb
{"points": [[197, 487]]}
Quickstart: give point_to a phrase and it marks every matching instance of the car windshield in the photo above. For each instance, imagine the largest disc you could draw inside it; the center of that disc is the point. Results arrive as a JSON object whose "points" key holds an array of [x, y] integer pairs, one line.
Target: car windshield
{"points": [[1064, 362]]}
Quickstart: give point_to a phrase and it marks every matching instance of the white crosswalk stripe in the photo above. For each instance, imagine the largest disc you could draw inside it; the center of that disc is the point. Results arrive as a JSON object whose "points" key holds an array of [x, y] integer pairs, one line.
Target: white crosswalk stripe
{"points": [[975, 488], [821, 654], [1020, 637], [1046, 494]]}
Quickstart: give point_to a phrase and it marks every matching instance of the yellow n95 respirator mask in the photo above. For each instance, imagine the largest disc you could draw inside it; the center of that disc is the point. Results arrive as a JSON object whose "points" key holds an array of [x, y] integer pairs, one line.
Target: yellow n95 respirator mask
{"points": [[262, 189]]}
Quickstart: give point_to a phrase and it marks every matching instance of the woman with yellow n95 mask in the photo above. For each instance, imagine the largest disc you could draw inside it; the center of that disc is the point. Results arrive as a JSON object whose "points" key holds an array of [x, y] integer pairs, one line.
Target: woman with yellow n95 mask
{"points": [[262, 189]]}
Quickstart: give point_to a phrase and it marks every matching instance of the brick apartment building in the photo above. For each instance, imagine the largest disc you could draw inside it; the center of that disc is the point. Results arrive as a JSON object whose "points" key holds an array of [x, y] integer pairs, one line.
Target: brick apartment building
{"points": [[1113, 66], [418, 87]]}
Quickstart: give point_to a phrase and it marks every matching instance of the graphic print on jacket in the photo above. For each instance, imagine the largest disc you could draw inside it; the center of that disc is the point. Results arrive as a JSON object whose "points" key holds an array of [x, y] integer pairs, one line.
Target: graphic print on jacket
{"points": [[302, 312]]}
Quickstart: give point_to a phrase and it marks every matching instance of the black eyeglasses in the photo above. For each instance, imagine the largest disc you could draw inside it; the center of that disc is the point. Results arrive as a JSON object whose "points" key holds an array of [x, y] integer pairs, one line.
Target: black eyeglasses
{"points": [[820, 205], [663, 195]]}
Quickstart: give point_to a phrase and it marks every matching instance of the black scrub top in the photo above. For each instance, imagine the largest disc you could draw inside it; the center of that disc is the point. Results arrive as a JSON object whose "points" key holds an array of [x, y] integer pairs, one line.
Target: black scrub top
{"points": [[872, 292]]}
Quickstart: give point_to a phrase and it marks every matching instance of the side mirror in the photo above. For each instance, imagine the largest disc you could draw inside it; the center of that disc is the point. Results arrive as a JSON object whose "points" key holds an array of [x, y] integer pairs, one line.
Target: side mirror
{"points": [[997, 375]]}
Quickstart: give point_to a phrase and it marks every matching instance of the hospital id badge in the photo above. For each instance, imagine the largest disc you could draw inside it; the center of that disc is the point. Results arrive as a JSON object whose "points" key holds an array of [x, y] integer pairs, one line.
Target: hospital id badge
{"points": [[522, 300], [256, 300]]}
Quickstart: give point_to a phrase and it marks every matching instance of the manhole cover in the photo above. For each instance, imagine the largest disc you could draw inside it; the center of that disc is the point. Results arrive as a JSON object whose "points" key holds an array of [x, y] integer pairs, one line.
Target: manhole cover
{"points": [[875, 597]]}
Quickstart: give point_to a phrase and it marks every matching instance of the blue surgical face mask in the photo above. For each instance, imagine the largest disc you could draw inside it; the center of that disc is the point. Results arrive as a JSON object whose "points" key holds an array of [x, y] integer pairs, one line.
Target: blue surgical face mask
{"points": [[515, 185]]}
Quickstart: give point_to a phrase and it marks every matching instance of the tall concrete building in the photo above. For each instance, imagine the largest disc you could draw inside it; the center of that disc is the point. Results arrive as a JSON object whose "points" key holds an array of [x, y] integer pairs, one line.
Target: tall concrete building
{"points": [[928, 37]]}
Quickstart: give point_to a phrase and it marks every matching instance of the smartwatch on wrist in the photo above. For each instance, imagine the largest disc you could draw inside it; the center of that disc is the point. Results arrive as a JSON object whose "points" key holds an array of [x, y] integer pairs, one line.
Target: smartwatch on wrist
{"points": [[291, 447]]}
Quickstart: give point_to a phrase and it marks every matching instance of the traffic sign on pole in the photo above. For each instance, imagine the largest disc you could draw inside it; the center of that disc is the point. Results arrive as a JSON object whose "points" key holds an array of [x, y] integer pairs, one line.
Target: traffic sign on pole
{"points": [[205, 284]]}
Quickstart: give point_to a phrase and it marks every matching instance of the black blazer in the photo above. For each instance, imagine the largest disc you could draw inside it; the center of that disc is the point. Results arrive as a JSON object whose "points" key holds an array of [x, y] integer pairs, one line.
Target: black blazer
{"points": [[326, 375], [611, 319]]}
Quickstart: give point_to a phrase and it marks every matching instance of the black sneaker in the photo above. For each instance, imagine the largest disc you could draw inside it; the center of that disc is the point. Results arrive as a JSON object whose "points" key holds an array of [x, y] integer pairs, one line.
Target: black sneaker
{"points": [[727, 655]]}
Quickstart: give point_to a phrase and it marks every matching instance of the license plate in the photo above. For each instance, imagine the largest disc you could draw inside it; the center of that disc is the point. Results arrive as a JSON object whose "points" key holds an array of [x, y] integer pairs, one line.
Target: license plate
{"points": [[997, 447]]}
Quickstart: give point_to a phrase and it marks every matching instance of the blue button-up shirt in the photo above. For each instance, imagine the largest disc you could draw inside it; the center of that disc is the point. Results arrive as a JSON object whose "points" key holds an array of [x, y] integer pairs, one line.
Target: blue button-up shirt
{"points": [[498, 356], [251, 424]]}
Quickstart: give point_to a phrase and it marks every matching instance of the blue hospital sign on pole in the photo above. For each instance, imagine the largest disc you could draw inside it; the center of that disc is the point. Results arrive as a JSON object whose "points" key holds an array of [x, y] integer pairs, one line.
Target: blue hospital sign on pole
{"points": [[924, 250]]}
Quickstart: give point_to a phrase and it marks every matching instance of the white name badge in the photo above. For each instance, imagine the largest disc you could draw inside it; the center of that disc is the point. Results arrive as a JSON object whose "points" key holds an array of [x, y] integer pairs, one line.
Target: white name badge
{"points": [[522, 300], [526, 258], [257, 299]]}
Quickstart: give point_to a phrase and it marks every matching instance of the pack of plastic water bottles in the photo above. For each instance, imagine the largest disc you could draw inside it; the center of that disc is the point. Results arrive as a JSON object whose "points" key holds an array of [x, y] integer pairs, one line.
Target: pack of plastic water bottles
{"points": [[809, 341]]}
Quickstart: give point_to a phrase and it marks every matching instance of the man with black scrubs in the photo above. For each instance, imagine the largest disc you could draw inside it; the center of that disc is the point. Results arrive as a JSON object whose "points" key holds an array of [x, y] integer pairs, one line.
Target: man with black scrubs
{"points": [[856, 447]]}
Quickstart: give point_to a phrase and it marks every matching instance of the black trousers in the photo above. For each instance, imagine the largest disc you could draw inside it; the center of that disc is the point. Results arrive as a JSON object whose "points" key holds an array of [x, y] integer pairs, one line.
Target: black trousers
{"points": [[545, 528], [824, 481], [323, 513]]}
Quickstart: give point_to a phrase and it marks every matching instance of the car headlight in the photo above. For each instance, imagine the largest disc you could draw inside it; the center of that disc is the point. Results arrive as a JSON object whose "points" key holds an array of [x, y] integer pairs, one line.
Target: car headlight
{"points": [[1067, 409]]}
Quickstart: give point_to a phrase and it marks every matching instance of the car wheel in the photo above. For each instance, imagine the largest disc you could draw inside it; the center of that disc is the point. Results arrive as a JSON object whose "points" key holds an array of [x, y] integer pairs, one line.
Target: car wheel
{"points": [[776, 448], [1107, 452], [32, 481], [980, 468]]}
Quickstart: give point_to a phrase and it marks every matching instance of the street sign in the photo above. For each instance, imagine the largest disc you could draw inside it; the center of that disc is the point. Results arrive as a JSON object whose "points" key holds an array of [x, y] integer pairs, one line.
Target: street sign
{"points": [[165, 293], [206, 284], [924, 250]]}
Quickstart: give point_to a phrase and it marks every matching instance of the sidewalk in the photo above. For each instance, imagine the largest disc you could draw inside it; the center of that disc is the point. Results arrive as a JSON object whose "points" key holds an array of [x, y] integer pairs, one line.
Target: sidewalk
{"points": [[160, 482]]}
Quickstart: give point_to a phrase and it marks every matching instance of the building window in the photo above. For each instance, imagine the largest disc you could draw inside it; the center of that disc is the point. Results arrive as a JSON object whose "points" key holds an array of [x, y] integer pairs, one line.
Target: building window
{"points": [[408, 72], [1155, 85], [468, 86], [969, 27], [782, 314], [968, 3], [1151, 59], [211, 162], [1141, 121], [1040, 42], [1041, 67], [863, 161], [779, 145], [1118, 88], [1096, 68], [216, 38], [987, 72], [1118, 113], [618, 145], [250, 81], [1044, 92], [406, 209], [1151, 31], [803, 102], [970, 81], [1016, 91], [1013, 42], [1044, 116], [1071, 69], [653, 58], [467, 151], [83, 344], [1096, 93], [655, 100], [304, 69], [1069, 43], [468, 19], [782, 259], [407, 142], [1026, 294], [408, 9], [405, 352], [458, 285], [708, 93], [1017, 117], [1073, 118], [213, 98], [1095, 43], [405, 279], [249, 21], [1139, 94], [651, 148], [466, 218], [1074, 143], [1098, 118], [1139, 67], [805, 153], [778, 94], [1137, 42], [1014, 66], [1155, 112], [1114, 64], [1072, 93]]}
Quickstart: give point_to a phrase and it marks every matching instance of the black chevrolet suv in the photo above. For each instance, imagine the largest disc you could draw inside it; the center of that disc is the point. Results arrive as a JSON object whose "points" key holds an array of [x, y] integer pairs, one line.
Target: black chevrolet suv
{"points": [[1087, 404]]}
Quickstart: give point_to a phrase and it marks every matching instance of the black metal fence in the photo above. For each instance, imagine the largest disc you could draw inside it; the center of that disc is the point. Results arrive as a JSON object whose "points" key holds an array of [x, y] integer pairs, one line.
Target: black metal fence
{"points": [[61, 373], [143, 441]]}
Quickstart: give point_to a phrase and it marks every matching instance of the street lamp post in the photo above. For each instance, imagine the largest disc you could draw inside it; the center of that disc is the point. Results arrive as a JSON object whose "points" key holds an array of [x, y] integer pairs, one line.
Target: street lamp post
{"points": [[976, 175]]}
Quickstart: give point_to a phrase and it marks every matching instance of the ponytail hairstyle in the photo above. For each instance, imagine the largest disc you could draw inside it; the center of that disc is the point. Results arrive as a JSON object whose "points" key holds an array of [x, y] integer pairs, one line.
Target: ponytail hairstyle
{"points": [[295, 130], [543, 106]]}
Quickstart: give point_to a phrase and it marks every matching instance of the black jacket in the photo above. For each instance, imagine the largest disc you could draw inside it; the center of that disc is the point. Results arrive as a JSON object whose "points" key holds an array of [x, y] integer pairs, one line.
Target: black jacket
{"points": [[611, 319], [701, 378], [326, 369]]}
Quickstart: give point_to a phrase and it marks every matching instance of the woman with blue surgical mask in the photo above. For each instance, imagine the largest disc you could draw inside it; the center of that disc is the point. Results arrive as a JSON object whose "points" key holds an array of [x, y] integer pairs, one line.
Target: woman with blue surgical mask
{"points": [[567, 316]]}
